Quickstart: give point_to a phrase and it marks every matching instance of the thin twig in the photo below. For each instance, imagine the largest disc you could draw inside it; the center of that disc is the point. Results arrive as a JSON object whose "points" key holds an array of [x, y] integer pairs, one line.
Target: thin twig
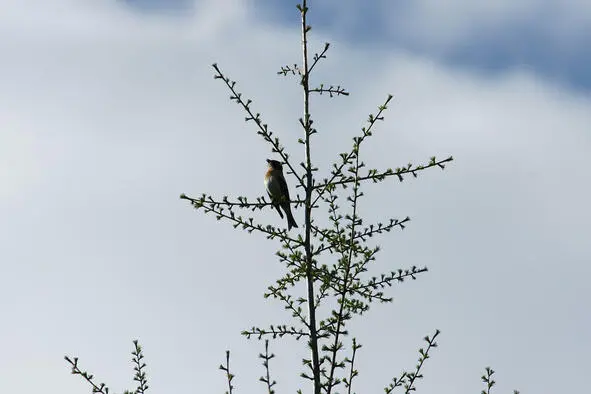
{"points": [[229, 375]]}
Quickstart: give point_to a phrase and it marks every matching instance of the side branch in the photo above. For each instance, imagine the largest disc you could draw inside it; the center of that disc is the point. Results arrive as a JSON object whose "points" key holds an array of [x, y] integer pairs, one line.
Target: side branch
{"points": [[318, 56], [348, 157], [295, 69], [229, 375], [336, 240], [263, 128], [352, 371], [423, 356], [371, 289], [241, 202], [211, 206], [100, 388], [408, 379], [140, 373], [275, 331], [376, 176], [267, 378], [290, 304], [331, 90]]}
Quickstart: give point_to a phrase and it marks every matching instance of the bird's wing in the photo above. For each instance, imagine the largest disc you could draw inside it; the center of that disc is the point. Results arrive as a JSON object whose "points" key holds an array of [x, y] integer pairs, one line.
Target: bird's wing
{"points": [[283, 186]]}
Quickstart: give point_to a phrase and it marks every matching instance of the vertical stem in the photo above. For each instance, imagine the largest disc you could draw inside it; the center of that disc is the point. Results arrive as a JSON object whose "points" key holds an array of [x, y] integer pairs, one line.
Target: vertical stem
{"points": [[348, 261], [309, 256]]}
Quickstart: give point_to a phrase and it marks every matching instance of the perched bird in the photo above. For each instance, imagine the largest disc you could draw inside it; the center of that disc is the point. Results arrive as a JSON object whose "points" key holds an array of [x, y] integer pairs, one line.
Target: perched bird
{"points": [[278, 192]]}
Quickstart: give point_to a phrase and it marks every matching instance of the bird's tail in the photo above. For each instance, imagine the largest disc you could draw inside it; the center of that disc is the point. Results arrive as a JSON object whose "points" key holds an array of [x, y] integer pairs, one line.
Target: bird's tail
{"points": [[290, 220], [279, 210]]}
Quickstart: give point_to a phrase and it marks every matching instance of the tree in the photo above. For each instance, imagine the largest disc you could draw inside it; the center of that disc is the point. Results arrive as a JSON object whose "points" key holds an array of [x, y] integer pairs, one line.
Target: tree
{"points": [[339, 284]]}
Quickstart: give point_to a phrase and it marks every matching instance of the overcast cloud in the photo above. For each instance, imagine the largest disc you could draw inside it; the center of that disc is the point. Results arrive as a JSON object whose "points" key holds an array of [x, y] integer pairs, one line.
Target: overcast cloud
{"points": [[108, 113]]}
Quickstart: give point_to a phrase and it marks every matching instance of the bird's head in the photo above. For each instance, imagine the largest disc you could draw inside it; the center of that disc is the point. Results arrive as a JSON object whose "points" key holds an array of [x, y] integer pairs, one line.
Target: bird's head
{"points": [[274, 164]]}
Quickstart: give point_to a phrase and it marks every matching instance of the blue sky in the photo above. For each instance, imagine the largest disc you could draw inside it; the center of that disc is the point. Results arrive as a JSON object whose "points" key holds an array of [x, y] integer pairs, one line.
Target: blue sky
{"points": [[532, 40]]}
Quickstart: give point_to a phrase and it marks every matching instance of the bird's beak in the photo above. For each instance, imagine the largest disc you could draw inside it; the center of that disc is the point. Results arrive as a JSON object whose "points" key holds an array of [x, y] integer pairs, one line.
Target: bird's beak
{"points": [[269, 161]]}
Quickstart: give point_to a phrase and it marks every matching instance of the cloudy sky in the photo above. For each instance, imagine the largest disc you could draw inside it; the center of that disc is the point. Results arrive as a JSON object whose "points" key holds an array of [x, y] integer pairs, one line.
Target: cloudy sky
{"points": [[108, 111]]}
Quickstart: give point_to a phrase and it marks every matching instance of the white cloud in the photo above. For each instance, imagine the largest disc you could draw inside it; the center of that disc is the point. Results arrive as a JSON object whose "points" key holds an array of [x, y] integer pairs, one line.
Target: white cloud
{"points": [[108, 115]]}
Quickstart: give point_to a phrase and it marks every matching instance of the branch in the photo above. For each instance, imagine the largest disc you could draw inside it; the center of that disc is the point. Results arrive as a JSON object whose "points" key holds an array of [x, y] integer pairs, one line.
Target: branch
{"points": [[407, 379], [344, 301], [306, 123], [376, 177], [488, 380], [336, 238], [296, 311], [100, 388], [369, 290], [396, 382], [140, 375], [267, 378], [296, 273], [229, 375], [352, 372], [423, 355], [346, 157], [242, 202], [293, 69], [317, 57], [209, 205], [275, 331], [335, 218], [331, 90], [263, 128], [387, 280]]}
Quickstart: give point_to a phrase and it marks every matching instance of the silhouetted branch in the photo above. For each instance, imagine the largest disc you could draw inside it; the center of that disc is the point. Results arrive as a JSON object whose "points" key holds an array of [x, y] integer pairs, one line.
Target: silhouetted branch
{"points": [[317, 56], [347, 157], [337, 239], [423, 356], [240, 202], [267, 378], [229, 375], [408, 379], [263, 129], [275, 331], [222, 211], [346, 304], [140, 374], [100, 388], [331, 90], [293, 69], [489, 381], [352, 371], [290, 304], [376, 176]]}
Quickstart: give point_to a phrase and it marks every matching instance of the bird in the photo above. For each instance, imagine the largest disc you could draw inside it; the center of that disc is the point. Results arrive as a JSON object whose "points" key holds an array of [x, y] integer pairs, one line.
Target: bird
{"points": [[277, 190]]}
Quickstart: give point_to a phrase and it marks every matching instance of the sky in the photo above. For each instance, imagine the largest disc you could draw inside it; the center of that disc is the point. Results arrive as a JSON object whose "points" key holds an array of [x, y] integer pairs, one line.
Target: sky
{"points": [[109, 111]]}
